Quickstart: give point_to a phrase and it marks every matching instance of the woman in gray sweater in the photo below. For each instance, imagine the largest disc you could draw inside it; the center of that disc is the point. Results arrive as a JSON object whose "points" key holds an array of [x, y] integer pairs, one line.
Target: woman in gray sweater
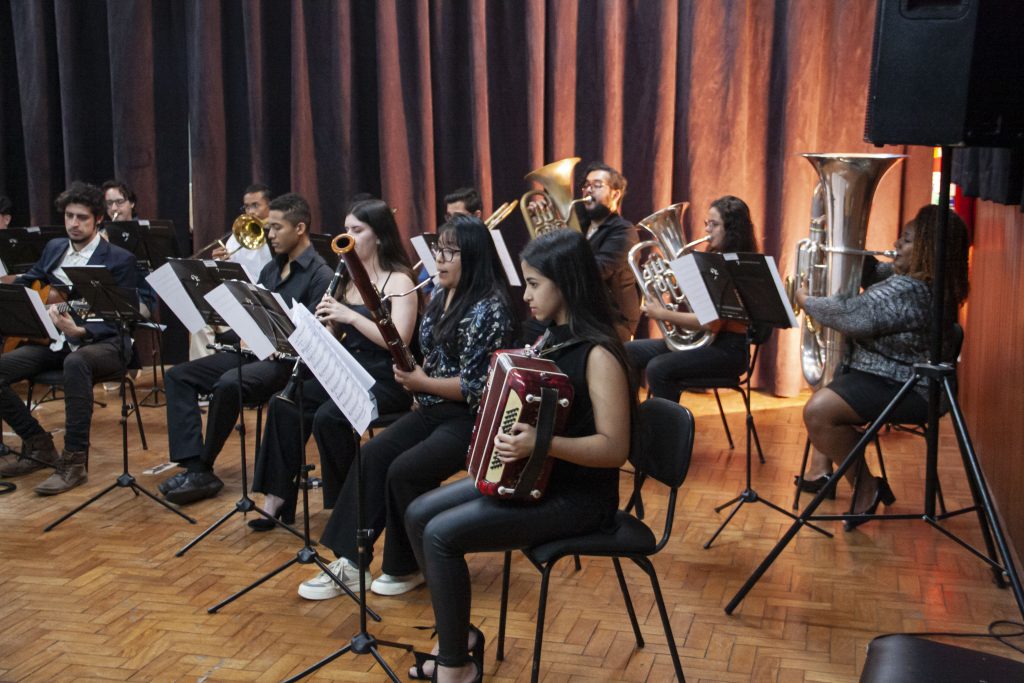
{"points": [[888, 327]]}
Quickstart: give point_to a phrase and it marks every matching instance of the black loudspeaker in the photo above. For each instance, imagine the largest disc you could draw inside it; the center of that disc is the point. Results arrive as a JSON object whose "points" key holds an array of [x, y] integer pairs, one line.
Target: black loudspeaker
{"points": [[947, 72]]}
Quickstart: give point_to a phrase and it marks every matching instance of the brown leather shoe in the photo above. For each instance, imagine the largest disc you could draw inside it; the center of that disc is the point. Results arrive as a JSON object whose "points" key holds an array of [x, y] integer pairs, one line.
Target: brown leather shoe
{"points": [[70, 473], [40, 453]]}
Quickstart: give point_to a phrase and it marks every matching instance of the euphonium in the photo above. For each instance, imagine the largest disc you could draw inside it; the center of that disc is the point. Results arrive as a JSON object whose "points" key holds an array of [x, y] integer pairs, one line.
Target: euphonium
{"points": [[248, 232], [656, 279], [555, 212], [830, 261]]}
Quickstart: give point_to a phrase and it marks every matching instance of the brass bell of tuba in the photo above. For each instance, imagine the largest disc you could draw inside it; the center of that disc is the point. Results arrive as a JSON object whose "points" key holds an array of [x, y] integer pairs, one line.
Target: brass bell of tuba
{"points": [[829, 262], [656, 279], [555, 211]]}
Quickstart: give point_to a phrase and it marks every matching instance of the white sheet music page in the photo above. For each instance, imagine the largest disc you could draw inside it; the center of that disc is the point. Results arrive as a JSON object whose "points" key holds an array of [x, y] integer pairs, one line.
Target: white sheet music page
{"points": [[166, 284], [345, 380], [235, 315], [689, 278], [506, 258], [770, 260], [419, 243], [40, 308]]}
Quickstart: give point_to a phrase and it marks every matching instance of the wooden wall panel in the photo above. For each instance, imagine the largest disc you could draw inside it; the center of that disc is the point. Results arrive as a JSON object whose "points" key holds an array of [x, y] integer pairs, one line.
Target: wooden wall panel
{"points": [[992, 369]]}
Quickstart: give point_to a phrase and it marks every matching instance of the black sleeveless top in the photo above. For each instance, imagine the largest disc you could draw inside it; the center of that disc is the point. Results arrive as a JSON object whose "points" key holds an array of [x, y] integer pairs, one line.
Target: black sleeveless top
{"points": [[375, 359], [599, 486]]}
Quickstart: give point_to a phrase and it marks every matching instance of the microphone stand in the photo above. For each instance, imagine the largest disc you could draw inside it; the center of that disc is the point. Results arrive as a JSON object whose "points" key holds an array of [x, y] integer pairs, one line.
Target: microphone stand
{"points": [[362, 642]]}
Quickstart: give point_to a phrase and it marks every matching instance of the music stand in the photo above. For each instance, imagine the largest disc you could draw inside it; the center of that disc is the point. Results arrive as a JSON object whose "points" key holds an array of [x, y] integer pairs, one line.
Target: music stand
{"points": [[152, 242], [939, 376], [118, 306], [316, 345], [21, 248]]}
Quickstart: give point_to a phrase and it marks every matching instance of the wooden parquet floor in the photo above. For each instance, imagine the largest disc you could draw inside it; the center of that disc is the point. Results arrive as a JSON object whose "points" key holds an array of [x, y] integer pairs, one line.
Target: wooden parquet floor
{"points": [[103, 597]]}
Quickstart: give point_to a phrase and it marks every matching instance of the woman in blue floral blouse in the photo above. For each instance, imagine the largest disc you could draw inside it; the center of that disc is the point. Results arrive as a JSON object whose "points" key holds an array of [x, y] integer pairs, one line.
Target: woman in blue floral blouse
{"points": [[469, 316]]}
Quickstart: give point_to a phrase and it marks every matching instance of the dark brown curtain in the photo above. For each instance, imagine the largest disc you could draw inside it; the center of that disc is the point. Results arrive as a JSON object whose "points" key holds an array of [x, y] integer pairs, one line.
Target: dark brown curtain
{"points": [[408, 99]]}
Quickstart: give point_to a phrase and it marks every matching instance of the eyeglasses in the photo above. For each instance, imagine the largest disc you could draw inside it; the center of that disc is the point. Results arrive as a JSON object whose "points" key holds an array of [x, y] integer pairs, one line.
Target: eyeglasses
{"points": [[446, 254], [251, 208], [115, 202], [708, 223], [592, 185]]}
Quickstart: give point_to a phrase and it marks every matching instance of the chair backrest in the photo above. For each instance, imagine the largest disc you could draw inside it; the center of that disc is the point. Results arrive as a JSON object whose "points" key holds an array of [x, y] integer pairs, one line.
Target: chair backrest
{"points": [[665, 442]]}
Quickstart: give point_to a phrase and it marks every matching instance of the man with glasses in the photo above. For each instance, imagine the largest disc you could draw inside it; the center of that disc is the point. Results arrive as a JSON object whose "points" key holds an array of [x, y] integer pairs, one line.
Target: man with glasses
{"points": [[86, 350], [611, 237], [255, 203]]}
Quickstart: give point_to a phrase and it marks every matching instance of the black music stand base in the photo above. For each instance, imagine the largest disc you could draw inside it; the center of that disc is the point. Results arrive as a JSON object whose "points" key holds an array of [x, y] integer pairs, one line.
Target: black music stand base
{"points": [[362, 643]]}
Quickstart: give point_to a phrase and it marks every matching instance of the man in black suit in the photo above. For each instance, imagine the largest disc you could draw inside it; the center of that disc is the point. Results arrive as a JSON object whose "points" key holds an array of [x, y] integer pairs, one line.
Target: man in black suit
{"points": [[300, 276], [89, 349], [611, 237]]}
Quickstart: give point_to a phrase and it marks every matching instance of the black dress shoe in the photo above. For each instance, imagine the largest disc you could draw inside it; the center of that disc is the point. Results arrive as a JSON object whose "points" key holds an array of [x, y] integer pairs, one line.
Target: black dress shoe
{"points": [[171, 483], [261, 523], [883, 494], [197, 486], [814, 485]]}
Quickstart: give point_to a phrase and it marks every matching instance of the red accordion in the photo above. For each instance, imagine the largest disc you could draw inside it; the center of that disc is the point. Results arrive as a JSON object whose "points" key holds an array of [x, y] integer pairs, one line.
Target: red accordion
{"points": [[520, 388]]}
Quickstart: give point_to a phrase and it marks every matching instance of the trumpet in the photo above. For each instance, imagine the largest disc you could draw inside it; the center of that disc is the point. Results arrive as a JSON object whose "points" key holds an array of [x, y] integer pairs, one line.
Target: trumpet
{"points": [[248, 232], [500, 214]]}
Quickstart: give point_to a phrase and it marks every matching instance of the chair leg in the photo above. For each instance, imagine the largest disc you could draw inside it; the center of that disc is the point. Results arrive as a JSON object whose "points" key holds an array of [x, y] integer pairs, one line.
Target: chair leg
{"points": [[803, 470], [645, 564], [138, 414], [629, 602], [505, 572], [541, 610], [725, 423]]}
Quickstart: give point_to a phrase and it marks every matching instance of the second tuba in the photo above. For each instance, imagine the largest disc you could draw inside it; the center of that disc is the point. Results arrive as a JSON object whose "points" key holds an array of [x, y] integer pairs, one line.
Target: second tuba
{"points": [[830, 261], [656, 279], [555, 211]]}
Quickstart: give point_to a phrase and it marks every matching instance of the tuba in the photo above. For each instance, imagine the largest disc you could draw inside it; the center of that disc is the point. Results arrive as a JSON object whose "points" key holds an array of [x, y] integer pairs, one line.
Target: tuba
{"points": [[830, 261], [555, 212], [656, 279]]}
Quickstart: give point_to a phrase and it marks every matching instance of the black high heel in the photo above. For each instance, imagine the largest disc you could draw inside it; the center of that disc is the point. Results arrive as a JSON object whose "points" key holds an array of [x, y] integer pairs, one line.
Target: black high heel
{"points": [[261, 523], [476, 656], [883, 494], [417, 672], [814, 485]]}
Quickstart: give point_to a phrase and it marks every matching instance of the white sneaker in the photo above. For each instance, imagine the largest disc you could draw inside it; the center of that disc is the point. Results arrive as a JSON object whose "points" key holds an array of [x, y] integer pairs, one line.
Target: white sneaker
{"points": [[385, 584], [323, 587]]}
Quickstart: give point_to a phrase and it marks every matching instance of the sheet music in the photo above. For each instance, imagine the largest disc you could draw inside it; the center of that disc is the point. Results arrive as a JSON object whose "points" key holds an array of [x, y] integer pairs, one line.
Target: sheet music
{"points": [[345, 380], [506, 258], [234, 314], [770, 261], [40, 308], [422, 246], [697, 295], [168, 287]]}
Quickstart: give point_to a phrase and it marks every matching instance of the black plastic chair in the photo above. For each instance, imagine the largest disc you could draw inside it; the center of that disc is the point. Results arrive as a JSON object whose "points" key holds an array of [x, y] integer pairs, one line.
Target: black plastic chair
{"points": [[54, 379], [662, 454], [759, 334]]}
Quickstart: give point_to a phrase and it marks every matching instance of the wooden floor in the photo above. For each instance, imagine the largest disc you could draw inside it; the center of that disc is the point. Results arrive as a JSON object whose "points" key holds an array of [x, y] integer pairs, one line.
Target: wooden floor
{"points": [[103, 597]]}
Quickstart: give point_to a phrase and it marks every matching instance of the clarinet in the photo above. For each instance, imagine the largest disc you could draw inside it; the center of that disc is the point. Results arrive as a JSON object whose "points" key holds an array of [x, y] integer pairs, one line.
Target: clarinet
{"points": [[344, 246], [288, 393]]}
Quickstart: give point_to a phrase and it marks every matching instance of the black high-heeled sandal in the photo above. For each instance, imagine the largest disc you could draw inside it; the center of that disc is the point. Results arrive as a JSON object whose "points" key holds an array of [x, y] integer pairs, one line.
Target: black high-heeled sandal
{"points": [[476, 656], [883, 494], [814, 485], [261, 523], [417, 672]]}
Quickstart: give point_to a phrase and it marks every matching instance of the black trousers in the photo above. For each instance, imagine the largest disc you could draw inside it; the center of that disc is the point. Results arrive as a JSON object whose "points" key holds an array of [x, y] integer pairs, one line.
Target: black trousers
{"points": [[665, 368], [217, 374], [446, 524], [279, 459], [411, 457], [96, 360]]}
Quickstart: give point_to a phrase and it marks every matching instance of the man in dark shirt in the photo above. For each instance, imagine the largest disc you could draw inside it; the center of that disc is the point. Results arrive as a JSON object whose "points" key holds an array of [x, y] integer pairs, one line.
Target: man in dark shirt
{"points": [[300, 276], [611, 237], [88, 349]]}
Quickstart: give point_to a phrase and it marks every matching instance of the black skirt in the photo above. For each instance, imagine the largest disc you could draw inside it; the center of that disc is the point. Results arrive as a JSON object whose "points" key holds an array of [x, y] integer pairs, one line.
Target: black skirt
{"points": [[869, 394]]}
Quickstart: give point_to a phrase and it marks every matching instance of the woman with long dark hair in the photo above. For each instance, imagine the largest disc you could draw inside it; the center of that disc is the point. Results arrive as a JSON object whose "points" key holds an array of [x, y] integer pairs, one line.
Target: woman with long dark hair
{"points": [[563, 287], [371, 224], [889, 326], [730, 228], [469, 316]]}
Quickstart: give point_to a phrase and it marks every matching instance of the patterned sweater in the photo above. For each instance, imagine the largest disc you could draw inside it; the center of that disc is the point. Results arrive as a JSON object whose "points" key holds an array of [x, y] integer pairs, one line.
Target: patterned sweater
{"points": [[887, 324]]}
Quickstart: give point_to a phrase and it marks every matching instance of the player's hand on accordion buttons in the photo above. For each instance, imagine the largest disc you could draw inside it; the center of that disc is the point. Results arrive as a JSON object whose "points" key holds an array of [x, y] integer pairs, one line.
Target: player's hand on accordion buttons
{"points": [[517, 444]]}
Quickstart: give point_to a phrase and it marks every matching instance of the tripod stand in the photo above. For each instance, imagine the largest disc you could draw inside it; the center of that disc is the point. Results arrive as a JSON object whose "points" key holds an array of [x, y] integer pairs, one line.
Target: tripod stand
{"points": [[362, 642], [245, 503], [98, 289], [939, 376], [307, 554]]}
